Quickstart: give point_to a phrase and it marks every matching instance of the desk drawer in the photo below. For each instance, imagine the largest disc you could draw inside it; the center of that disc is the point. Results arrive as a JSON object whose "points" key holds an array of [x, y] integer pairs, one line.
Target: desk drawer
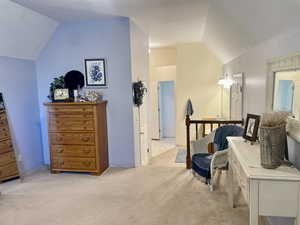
{"points": [[278, 198], [240, 176], [71, 124], [73, 151], [72, 138], [74, 163]]}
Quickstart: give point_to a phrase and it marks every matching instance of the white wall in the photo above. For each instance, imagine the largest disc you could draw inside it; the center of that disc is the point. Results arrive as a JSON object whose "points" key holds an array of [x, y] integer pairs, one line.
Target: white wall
{"points": [[253, 64], [140, 71], [23, 32], [162, 68], [198, 72]]}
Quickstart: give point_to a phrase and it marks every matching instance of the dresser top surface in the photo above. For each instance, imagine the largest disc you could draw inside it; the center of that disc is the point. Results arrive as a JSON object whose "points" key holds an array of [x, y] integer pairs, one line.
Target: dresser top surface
{"points": [[249, 158], [73, 103]]}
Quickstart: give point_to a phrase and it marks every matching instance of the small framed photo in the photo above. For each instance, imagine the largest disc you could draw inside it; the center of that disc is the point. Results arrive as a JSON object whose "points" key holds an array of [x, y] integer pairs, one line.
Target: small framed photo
{"points": [[95, 73], [251, 128], [61, 95]]}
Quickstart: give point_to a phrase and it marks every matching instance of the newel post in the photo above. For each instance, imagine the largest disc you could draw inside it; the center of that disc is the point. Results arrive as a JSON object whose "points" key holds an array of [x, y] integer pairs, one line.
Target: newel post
{"points": [[188, 145]]}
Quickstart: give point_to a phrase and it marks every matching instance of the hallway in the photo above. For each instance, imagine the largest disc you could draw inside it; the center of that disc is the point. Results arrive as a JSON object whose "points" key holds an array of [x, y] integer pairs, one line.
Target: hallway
{"points": [[162, 193]]}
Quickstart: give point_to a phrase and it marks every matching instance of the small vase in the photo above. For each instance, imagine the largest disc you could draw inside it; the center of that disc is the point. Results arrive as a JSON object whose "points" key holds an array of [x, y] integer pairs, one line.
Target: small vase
{"points": [[272, 146]]}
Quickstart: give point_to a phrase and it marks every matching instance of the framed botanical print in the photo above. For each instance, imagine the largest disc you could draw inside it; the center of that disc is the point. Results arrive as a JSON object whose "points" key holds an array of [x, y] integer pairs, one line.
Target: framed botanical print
{"points": [[95, 73], [251, 128]]}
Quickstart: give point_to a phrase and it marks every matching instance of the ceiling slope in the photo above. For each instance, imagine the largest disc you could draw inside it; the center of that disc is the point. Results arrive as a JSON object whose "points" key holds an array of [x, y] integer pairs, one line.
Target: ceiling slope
{"points": [[23, 32], [228, 27], [166, 21], [233, 26]]}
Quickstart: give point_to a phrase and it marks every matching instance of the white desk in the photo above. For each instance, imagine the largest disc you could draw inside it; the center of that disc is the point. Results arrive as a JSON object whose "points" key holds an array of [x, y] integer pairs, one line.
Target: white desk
{"points": [[268, 192]]}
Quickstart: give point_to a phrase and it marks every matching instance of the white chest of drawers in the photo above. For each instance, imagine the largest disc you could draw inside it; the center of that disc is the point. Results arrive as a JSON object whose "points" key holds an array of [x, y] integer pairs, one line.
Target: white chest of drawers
{"points": [[268, 192]]}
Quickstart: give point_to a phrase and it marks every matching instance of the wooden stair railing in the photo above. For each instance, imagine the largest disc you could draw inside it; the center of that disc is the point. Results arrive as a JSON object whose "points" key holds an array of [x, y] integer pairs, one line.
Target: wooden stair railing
{"points": [[203, 123]]}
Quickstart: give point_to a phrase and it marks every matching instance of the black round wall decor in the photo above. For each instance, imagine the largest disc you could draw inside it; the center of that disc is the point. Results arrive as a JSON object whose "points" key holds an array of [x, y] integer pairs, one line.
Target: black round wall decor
{"points": [[73, 79]]}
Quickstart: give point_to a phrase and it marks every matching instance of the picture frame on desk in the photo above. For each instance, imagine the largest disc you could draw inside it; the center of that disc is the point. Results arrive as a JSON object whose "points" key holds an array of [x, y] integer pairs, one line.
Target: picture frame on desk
{"points": [[251, 128]]}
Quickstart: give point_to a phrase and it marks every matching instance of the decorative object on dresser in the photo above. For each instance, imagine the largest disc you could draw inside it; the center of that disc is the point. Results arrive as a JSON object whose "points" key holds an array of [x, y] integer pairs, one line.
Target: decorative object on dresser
{"points": [[8, 163], [251, 128], [95, 73], [273, 139], [74, 81], [267, 192], [61, 95], [78, 137], [58, 83]]}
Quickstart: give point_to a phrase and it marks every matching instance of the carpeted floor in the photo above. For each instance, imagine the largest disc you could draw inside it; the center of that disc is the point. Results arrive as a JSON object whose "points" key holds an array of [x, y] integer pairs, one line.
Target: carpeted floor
{"points": [[162, 193]]}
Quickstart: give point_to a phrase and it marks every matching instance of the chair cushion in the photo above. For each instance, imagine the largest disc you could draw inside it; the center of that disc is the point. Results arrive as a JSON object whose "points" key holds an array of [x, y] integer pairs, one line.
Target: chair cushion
{"points": [[201, 164]]}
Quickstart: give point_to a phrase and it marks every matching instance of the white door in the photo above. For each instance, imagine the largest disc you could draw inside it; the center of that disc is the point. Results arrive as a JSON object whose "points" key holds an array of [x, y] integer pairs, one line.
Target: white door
{"points": [[154, 110], [167, 109], [144, 145]]}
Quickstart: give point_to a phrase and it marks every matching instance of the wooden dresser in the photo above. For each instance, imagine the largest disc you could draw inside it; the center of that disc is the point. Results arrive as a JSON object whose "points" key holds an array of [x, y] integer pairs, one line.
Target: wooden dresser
{"points": [[8, 164], [268, 192], [78, 137]]}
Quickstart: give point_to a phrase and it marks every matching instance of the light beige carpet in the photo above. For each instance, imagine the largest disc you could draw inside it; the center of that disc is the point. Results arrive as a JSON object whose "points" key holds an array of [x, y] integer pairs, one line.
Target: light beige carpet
{"points": [[162, 193]]}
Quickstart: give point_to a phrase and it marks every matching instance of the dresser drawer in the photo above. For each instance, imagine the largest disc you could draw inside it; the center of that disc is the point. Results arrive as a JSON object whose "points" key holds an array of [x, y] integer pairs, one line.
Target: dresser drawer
{"points": [[72, 138], [3, 117], [3, 123], [241, 176], [9, 171], [73, 151], [74, 163], [71, 109], [4, 133], [6, 146], [7, 158], [71, 124]]}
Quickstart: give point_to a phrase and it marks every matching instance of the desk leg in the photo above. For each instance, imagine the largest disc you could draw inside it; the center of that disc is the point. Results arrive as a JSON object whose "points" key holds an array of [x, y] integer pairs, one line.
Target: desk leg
{"points": [[231, 187], [253, 204]]}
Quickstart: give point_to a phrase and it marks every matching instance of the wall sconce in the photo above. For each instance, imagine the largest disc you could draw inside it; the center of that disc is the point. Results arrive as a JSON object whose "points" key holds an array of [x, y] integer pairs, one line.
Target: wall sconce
{"points": [[226, 81]]}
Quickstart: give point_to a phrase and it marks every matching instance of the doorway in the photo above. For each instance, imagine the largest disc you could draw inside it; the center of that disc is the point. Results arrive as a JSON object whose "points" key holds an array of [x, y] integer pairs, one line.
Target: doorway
{"points": [[167, 115]]}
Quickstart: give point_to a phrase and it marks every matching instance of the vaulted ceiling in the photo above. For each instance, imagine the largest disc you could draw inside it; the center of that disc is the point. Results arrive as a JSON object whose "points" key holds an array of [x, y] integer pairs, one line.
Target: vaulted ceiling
{"points": [[228, 27], [23, 32]]}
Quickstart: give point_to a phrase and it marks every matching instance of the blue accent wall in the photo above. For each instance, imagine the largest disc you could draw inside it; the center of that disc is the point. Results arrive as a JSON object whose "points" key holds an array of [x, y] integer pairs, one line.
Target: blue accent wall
{"points": [[69, 46], [18, 85]]}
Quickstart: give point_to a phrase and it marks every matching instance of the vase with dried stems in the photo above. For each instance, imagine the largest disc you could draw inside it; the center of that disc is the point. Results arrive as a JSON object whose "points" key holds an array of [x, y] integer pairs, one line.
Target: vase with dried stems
{"points": [[273, 139]]}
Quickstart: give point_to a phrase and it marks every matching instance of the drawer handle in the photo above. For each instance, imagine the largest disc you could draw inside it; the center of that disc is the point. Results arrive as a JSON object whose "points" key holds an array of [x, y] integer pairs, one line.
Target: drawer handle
{"points": [[61, 163], [59, 139], [87, 151], [87, 164], [85, 139], [60, 150]]}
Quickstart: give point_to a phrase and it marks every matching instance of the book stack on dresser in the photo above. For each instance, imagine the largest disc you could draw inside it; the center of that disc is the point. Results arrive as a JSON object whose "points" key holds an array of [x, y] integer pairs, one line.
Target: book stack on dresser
{"points": [[78, 137], [8, 164]]}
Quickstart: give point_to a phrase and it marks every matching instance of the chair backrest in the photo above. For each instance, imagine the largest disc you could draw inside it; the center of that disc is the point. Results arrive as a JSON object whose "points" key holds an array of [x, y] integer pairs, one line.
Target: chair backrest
{"points": [[226, 131]]}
